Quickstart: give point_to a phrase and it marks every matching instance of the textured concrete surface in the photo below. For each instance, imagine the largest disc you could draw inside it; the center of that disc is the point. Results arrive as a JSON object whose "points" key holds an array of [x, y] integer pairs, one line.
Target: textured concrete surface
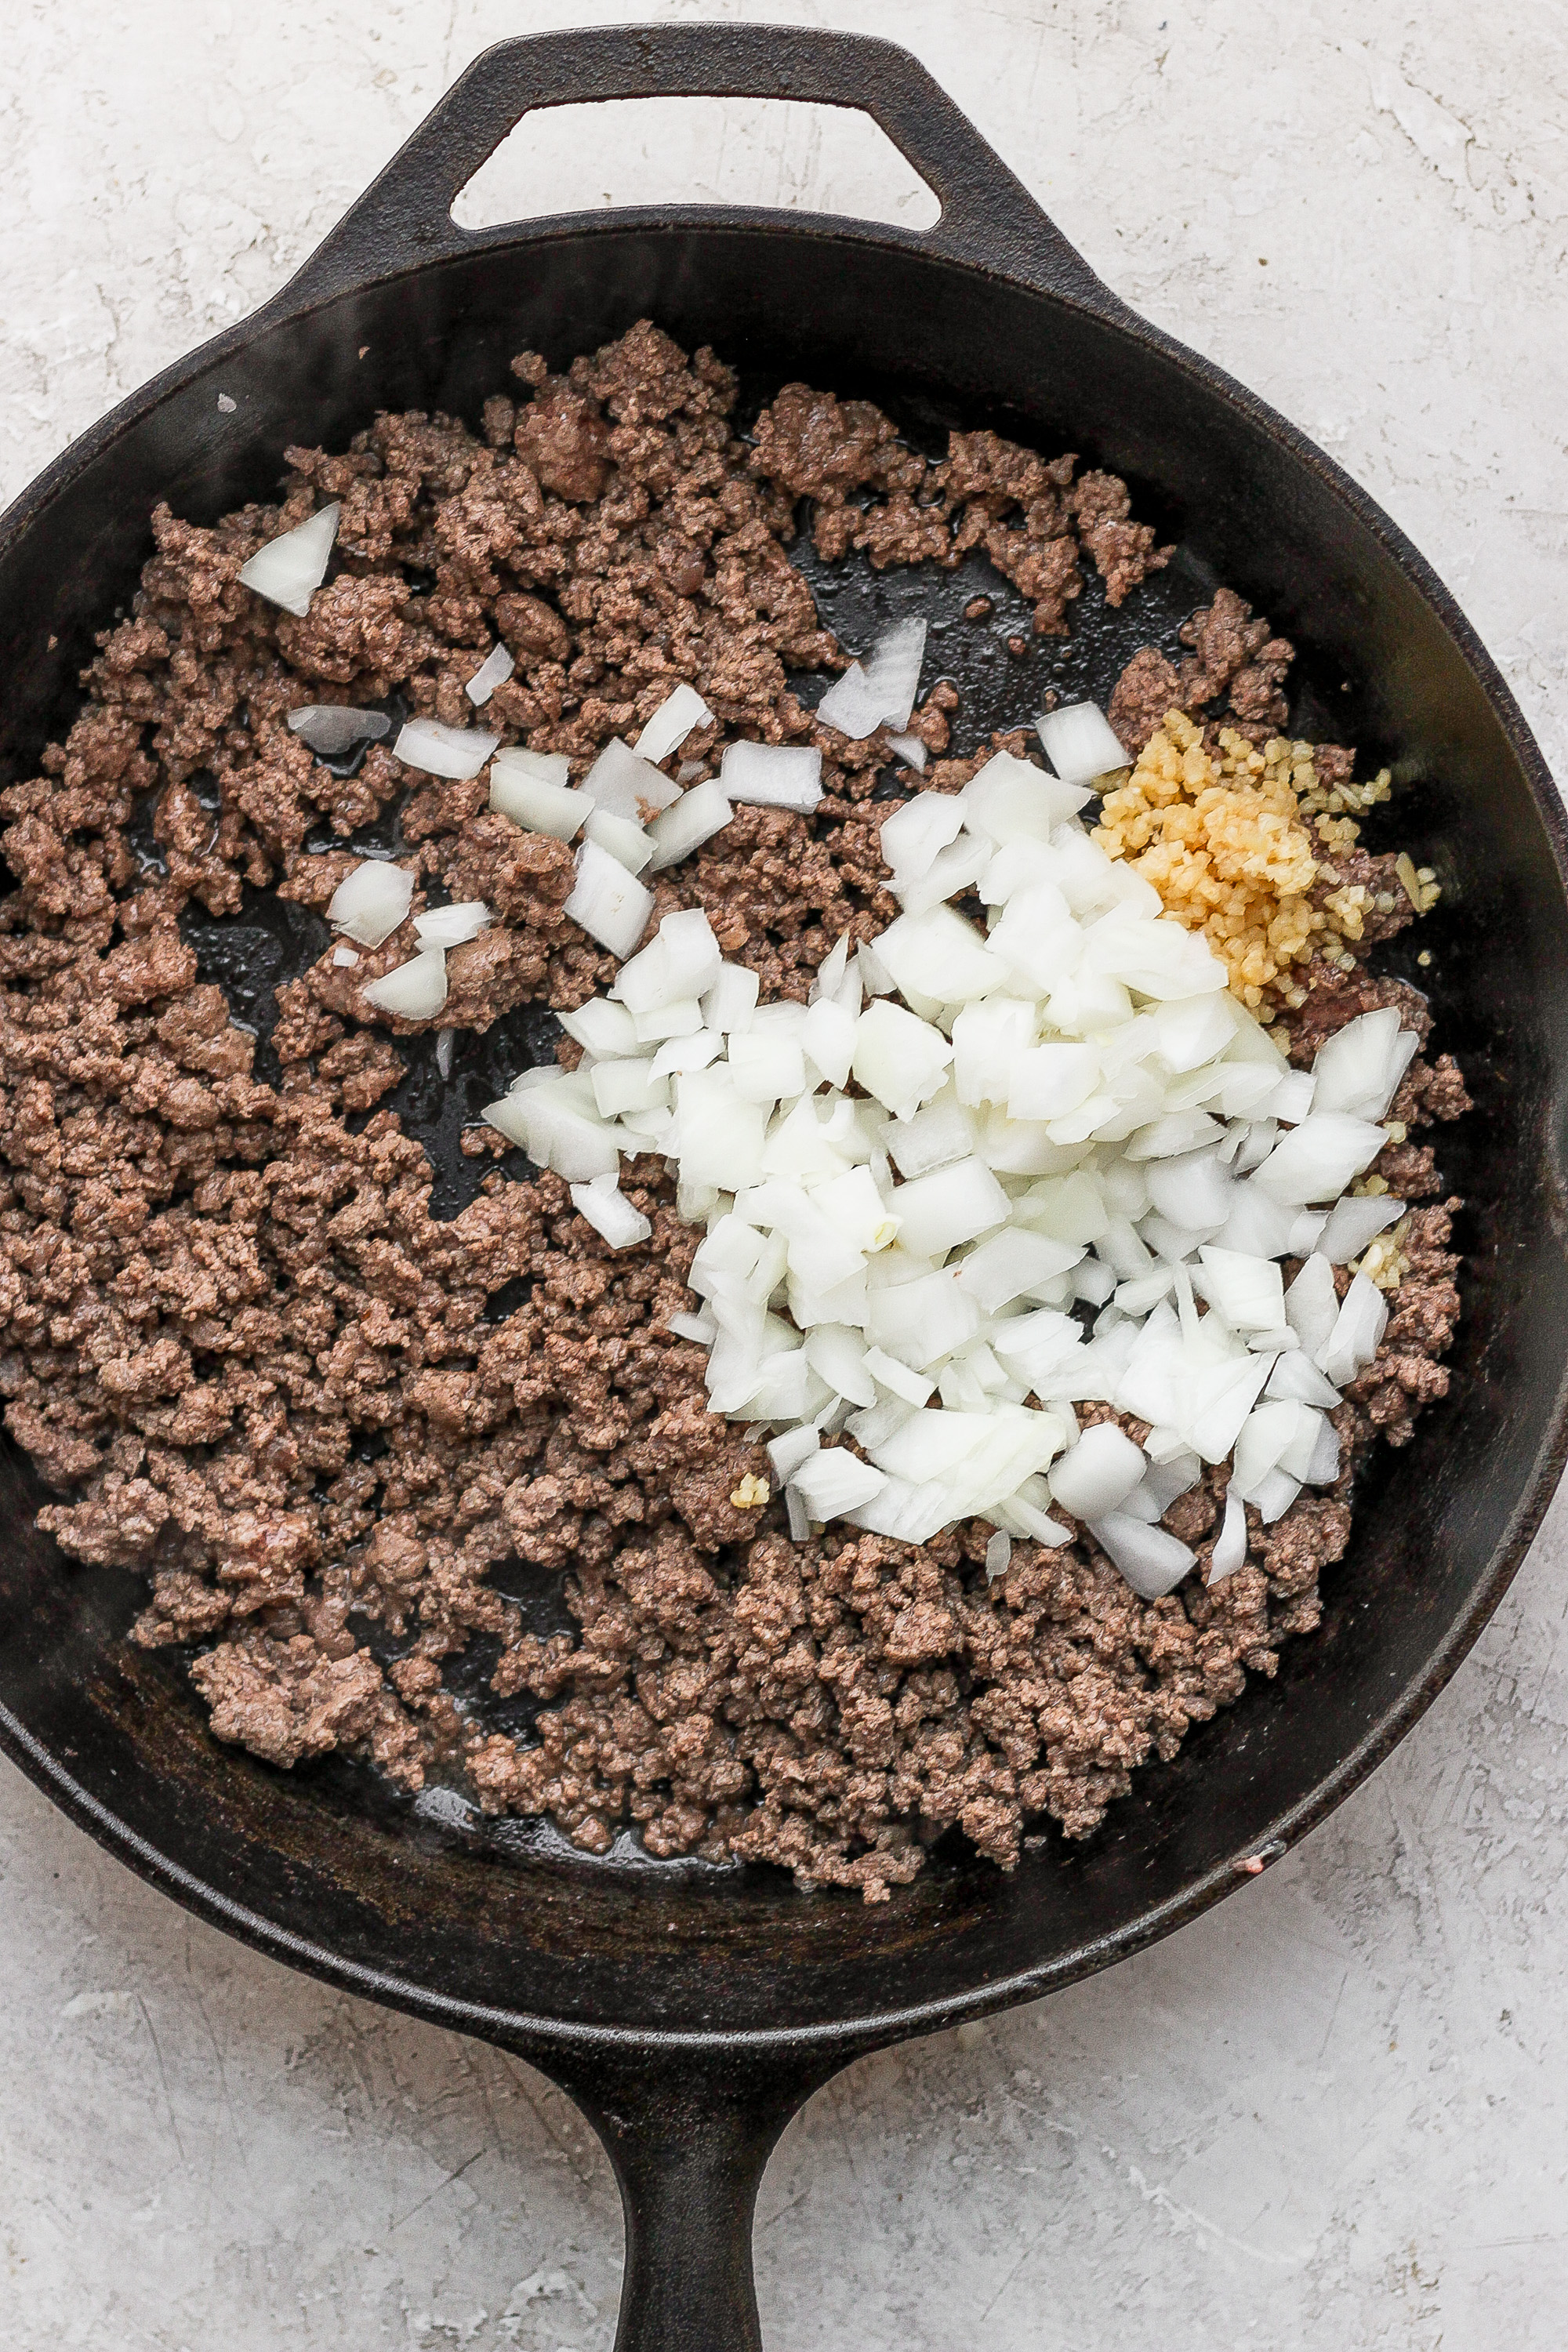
{"points": [[1331, 2114]]}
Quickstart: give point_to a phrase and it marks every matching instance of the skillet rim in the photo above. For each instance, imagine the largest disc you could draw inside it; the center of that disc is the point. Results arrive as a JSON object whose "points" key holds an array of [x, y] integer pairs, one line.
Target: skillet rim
{"points": [[300, 301]]}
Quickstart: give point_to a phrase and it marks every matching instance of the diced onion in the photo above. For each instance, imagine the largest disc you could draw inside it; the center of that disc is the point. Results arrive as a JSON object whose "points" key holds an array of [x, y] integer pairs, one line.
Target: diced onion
{"points": [[627, 786], [1080, 742], [771, 776], [688, 823], [449, 927], [1099, 1473], [628, 843], [610, 904], [610, 1214], [494, 670], [1229, 1552], [538, 801], [414, 990], [1152, 1560], [289, 569], [880, 690], [370, 903], [671, 723], [834, 1481], [437, 751], [330, 728]]}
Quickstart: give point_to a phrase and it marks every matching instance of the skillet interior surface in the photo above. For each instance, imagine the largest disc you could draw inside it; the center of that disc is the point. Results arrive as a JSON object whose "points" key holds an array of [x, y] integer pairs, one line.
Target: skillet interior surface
{"points": [[508, 1931]]}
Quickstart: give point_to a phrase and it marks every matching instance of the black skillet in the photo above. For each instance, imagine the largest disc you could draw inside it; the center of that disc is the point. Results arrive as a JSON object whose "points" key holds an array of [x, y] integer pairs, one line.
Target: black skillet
{"points": [[692, 2012]]}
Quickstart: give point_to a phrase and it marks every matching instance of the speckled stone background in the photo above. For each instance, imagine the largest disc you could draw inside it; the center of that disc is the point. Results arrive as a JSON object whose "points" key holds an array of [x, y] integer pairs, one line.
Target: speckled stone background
{"points": [[1332, 2113]]}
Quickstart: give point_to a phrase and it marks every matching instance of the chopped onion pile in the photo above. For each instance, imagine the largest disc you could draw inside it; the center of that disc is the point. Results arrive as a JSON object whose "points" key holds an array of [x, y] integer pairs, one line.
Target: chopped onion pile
{"points": [[1066, 1110], [330, 728], [494, 670], [289, 569], [881, 690], [454, 752]]}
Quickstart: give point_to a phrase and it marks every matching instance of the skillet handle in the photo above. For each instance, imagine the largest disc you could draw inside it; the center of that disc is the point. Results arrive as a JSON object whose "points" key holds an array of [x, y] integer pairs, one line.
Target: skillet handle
{"points": [[988, 217], [688, 2134]]}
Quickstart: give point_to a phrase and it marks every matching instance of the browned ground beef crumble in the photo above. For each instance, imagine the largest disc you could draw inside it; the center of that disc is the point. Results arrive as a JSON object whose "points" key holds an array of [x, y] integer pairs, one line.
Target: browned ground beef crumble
{"points": [[220, 1302]]}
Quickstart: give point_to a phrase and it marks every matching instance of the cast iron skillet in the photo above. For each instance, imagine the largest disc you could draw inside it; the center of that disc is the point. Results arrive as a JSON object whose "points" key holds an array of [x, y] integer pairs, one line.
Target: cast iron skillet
{"points": [[692, 2012]]}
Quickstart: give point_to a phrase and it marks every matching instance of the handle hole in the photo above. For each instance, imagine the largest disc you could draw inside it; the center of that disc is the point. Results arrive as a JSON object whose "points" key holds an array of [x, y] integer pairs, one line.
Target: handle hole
{"points": [[705, 151]]}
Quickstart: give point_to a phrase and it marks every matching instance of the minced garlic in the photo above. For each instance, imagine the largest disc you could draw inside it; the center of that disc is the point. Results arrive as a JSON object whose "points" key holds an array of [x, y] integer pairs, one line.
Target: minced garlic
{"points": [[750, 1494], [1223, 835]]}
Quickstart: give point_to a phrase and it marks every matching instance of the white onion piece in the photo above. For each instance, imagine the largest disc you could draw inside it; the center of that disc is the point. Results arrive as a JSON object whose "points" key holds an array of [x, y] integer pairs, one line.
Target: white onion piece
{"points": [[1229, 1552], [610, 1214], [627, 786], [731, 1000], [682, 959], [550, 1123], [771, 776], [911, 748], [952, 1205], [835, 1481], [827, 1039], [628, 843], [330, 728], [610, 904], [916, 833], [494, 670], [1099, 1473], [437, 751], [911, 1388], [1248, 1291], [699, 1328], [1316, 1160], [998, 1554], [289, 569], [1355, 1221], [370, 903], [1080, 742], [671, 723], [540, 802], [1313, 1304], [544, 767], [1293, 1097], [688, 823], [345, 958], [450, 927], [1295, 1375], [1152, 1559], [1012, 1264], [600, 1027], [632, 1085], [445, 1040], [415, 990], [898, 1057], [1358, 1327], [880, 690], [788, 1452], [1358, 1069], [1011, 800]]}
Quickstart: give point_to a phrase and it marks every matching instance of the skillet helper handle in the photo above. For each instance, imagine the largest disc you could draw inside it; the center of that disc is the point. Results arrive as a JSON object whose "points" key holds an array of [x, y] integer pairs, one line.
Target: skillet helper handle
{"points": [[988, 217], [688, 2134]]}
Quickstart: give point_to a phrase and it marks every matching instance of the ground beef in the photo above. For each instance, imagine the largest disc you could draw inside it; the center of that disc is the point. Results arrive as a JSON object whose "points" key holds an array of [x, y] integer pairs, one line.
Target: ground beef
{"points": [[331, 1430], [1235, 662]]}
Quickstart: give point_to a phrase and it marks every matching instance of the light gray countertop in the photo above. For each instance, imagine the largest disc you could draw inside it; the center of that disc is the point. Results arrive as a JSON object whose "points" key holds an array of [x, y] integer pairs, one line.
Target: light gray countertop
{"points": [[1328, 2115]]}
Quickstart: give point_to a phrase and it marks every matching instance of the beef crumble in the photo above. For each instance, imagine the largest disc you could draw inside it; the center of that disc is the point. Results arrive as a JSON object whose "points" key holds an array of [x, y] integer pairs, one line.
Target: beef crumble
{"points": [[263, 1376]]}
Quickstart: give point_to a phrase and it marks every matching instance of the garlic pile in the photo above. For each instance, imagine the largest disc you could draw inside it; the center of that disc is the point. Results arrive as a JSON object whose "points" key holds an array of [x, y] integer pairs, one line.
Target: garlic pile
{"points": [[1065, 1111]]}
